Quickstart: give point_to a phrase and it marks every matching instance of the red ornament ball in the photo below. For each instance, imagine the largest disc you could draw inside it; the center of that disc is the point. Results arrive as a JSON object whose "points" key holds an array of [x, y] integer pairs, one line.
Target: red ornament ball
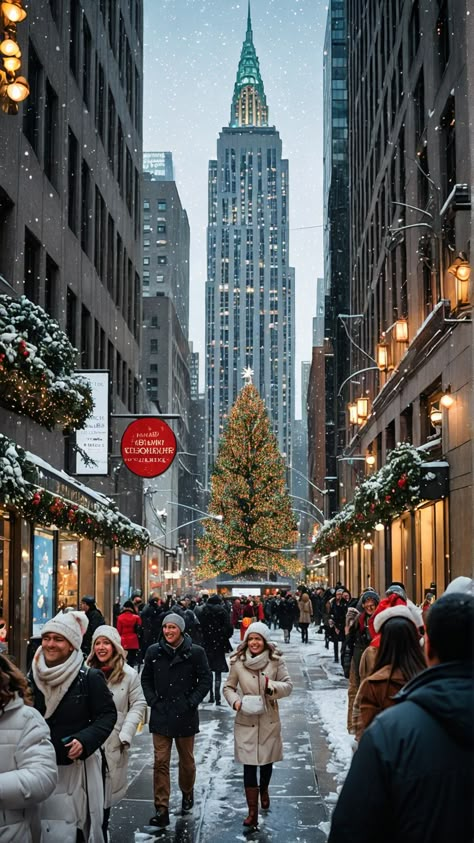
{"points": [[402, 482]]}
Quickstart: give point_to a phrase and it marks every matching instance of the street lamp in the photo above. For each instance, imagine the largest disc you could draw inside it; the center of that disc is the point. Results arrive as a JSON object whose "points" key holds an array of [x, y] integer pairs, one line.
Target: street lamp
{"points": [[313, 485]]}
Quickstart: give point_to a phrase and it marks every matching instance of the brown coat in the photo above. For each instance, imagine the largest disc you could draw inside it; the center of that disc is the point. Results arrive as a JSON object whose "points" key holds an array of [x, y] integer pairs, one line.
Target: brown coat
{"points": [[257, 737], [306, 608], [374, 695]]}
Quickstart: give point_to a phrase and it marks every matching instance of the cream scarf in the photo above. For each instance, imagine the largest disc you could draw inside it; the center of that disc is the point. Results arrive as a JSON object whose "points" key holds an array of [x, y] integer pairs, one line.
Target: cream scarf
{"points": [[256, 662], [55, 681]]}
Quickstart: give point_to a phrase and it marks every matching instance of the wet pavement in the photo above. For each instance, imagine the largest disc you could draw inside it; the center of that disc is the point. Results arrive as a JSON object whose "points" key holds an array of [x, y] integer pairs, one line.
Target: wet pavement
{"points": [[301, 790]]}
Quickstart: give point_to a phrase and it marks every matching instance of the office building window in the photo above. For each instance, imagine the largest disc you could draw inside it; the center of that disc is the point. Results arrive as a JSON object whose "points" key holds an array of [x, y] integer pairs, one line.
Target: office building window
{"points": [[32, 265], [161, 205], [154, 346], [162, 260]]}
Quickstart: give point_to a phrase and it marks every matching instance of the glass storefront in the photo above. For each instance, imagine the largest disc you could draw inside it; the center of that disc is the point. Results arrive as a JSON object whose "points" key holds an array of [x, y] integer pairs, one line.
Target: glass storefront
{"points": [[68, 574], [5, 535], [43, 608]]}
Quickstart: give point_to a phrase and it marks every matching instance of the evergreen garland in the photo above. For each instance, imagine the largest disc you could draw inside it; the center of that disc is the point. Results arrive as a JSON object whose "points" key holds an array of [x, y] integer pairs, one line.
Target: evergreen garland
{"points": [[37, 368]]}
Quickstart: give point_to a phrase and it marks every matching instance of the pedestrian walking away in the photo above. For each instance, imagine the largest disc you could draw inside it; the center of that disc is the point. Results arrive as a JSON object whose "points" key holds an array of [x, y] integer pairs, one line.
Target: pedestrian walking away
{"points": [[258, 678], [412, 777], [109, 656], [305, 615], [129, 625], [28, 770], [175, 679], [80, 712], [95, 618], [216, 631]]}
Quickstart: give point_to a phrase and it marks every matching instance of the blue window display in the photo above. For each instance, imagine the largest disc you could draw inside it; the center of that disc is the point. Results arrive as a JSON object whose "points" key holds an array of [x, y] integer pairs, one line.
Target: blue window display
{"points": [[43, 569]]}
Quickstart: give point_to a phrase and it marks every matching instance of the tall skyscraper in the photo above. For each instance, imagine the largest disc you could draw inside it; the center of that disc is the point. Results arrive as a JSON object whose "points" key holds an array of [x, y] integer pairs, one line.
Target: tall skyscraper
{"points": [[250, 285]]}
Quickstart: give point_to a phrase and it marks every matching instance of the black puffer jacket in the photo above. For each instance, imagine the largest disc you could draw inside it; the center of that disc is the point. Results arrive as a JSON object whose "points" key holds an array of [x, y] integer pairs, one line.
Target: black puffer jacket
{"points": [[86, 712], [174, 683], [95, 618], [216, 631], [413, 772]]}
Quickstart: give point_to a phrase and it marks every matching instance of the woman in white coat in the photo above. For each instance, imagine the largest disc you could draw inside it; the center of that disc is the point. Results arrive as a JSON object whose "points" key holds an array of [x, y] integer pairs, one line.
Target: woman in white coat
{"points": [[258, 677], [124, 684], [28, 770]]}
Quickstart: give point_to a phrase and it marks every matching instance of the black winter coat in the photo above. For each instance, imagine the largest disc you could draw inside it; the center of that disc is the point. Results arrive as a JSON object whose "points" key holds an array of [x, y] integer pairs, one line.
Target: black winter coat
{"points": [[287, 612], [86, 712], [216, 630], [413, 772], [151, 617], [95, 619], [174, 683]]}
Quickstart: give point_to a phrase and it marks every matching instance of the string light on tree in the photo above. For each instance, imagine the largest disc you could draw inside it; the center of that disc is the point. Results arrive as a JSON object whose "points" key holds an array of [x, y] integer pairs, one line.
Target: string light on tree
{"points": [[248, 489]]}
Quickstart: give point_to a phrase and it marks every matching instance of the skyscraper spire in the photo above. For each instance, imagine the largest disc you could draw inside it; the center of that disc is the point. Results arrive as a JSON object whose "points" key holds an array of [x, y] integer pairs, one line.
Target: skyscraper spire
{"points": [[249, 104]]}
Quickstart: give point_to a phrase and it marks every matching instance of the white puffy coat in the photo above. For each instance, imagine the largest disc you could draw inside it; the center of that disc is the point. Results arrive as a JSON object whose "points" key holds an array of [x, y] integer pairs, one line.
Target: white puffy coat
{"points": [[257, 737], [28, 771], [131, 708]]}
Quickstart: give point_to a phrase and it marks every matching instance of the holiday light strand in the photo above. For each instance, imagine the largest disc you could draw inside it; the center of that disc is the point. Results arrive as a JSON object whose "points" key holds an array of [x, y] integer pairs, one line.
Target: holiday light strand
{"points": [[37, 368], [19, 486], [378, 499], [249, 491]]}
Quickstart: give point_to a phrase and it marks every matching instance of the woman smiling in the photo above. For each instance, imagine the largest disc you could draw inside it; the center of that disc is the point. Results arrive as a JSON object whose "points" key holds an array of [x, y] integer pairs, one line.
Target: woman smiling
{"points": [[258, 678]]}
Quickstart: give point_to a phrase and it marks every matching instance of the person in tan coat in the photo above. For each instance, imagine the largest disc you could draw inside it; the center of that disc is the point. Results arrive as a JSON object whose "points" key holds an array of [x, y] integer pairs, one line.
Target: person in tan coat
{"points": [[305, 615], [258, 677], [399, 658]]}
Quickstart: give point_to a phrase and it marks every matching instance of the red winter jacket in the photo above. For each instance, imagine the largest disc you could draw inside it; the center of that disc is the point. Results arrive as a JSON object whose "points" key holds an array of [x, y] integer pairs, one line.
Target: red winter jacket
{"points": [[126, 623]]}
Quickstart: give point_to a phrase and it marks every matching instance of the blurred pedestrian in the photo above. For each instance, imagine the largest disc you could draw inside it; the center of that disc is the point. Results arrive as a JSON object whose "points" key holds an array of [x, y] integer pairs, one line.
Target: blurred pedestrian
{"points": [[258, 678], [357, 639], [287, 612], [412, 777], [337, 620], [236, 613], [129, 625], [175, 679], [95, 618], [109, 656], [80, 712], [305, 615], [216, 631], [399, 658], [151, 616], [28, 770]]}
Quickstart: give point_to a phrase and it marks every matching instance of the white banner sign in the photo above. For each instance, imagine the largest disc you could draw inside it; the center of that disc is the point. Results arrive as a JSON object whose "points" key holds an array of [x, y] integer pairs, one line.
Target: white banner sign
{"points": [[93, 439]]}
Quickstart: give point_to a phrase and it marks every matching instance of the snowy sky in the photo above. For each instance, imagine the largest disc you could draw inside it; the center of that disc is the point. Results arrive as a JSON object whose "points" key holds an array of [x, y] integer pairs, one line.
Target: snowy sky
{"points": [[191, 53]]}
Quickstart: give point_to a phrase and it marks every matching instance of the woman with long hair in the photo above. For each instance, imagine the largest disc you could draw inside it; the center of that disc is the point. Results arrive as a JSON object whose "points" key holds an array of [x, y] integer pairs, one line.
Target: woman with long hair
{"points": [[399, 658], [258, 678], [28, 770], [123, 682]]}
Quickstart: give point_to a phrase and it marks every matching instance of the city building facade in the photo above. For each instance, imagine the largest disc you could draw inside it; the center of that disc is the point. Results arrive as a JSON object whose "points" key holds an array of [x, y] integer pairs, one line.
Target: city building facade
{"points": [[250, 284], [70, 239], [411, 139], [166, 361]]}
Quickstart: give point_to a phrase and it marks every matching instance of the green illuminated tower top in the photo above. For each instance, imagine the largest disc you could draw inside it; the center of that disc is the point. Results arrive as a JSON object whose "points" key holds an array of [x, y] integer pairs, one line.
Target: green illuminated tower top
{"points": [[249, 104]]}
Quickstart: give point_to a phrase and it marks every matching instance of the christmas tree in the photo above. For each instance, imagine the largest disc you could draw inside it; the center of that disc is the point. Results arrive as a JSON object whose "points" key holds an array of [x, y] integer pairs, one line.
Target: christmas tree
{"points": [[249, 495]]}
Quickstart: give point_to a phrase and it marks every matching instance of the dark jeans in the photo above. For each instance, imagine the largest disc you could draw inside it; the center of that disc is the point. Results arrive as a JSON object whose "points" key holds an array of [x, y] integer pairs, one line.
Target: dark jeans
{"points": [[250, 775], [304, 632], [216, 693]]}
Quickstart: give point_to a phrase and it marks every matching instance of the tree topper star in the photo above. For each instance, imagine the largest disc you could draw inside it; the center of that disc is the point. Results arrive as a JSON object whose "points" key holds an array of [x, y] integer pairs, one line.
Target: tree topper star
{"points": [[247, 374]]}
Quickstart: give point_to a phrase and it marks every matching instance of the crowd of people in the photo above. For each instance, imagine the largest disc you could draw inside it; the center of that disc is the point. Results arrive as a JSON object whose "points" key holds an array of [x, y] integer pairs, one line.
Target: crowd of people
{"points": [[67, 727]]}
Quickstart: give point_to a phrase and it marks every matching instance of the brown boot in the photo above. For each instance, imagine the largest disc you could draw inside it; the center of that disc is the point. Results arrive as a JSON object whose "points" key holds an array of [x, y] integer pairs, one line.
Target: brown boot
{"points": [[264, 798], [252, 801]]}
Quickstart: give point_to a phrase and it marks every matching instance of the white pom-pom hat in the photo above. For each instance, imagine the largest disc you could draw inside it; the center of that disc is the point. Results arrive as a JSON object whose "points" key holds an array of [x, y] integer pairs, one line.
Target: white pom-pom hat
{"points": [[410, 612], [71, 625]]}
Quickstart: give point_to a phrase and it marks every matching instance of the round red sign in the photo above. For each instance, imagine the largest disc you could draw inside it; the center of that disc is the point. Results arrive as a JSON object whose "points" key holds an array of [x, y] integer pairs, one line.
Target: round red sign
{"points": [[148, 447]]}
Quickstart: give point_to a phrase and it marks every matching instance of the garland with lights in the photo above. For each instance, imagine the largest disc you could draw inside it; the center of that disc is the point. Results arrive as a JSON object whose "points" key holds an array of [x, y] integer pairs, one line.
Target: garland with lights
{"points": [[379, 499], [37, 368], [249, 491], [19, 486]]}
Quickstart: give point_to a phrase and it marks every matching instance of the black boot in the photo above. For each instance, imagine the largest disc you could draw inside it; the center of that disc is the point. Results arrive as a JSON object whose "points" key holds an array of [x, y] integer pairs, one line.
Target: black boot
{"points": [[161, 818]]}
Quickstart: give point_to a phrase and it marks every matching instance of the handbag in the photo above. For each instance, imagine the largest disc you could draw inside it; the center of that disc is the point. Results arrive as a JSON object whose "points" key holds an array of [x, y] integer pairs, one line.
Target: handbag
{"points": [[252, 704]]}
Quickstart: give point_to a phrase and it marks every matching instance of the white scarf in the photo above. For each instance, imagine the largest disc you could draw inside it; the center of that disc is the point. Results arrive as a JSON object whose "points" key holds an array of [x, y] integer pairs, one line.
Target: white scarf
{"points": [[55, 681]]}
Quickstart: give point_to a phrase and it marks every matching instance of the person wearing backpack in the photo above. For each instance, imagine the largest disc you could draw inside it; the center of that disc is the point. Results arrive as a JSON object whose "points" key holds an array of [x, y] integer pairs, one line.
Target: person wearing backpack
{"points": [[80, 712]]}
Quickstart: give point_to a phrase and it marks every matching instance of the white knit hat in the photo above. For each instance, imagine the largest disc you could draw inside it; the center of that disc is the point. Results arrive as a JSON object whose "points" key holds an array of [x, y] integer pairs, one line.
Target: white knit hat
{"points": [[258, 628], [71, 626], [112, 634], [410, 612]]}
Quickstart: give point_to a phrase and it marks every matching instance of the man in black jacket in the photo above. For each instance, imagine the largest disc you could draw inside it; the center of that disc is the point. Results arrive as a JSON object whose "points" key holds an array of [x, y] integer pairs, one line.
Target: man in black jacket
{"points": [[175, 679], [95, 618], [80, 712], [412, 778], [216, 632]]}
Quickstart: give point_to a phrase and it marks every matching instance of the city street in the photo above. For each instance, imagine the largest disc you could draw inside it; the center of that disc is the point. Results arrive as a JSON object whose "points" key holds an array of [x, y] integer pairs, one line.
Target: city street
{"points": [[317, 753]]}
